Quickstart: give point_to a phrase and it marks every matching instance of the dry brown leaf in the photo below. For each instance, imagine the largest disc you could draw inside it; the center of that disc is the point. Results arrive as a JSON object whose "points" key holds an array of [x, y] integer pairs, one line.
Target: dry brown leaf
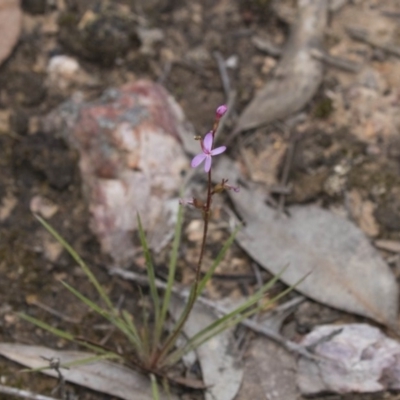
{"points": [[10, 26], [103, 376], [345, 271]]}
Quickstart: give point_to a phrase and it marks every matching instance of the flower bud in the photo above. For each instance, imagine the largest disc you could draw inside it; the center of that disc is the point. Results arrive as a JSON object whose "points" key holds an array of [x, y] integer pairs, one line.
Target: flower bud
{"points": [[221, 110]]}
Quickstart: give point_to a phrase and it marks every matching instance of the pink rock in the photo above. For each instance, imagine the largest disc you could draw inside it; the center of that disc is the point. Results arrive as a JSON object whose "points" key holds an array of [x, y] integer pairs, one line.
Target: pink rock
{"points": [[131, 161], [353, 358]]}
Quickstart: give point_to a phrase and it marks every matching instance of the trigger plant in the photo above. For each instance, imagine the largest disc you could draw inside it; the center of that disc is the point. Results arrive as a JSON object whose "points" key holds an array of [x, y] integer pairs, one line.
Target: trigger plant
{"points": [[154, 347]]}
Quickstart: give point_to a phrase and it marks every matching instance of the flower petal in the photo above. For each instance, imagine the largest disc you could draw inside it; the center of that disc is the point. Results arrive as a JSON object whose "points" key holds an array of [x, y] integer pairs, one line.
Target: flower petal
{"points": [[208, 142], [197, 160], [207, 165], [218, 150]]}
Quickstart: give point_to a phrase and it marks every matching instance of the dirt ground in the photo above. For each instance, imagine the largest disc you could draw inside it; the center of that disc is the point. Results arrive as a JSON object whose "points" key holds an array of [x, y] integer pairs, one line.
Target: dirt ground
{"points": [[344, 164]]}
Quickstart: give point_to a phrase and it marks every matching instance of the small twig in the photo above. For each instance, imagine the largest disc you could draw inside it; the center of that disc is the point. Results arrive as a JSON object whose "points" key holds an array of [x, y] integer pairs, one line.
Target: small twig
{"points": [[279, 189], [226, 83], [364, 36], [286, 171], [54, 363], [253, 325], [327, 338], [257, 274], [338, 62], [23, 394], [390, 13], [54, 312], [266, 47], [165, 73], [230, 94]]}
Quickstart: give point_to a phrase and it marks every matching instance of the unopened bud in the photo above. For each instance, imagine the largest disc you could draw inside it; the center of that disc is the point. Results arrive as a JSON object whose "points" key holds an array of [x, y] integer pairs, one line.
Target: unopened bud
{"points": [[221, 110]]}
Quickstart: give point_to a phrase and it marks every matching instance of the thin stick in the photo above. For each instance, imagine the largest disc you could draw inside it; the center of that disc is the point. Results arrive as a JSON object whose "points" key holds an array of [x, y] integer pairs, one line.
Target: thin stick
{"points": [[165, 73], [23, 394], [54, 312], [338, 62], [226, 83], [286, 171], [364, 36], [267, 47], [391, 13]]}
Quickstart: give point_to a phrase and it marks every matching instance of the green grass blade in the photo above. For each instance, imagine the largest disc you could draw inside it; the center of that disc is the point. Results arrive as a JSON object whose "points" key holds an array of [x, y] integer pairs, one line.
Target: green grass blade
{"points": [[129, 321], [60, 333], [113, 319], [226, 318], [217, 261], [225, 323], [79, 260], [152, 277], [82, 361], [172, 267], [202, 283], [144, 331], [237, 319], [49, 328], [242, 308], [154, 387], [248, 303]]}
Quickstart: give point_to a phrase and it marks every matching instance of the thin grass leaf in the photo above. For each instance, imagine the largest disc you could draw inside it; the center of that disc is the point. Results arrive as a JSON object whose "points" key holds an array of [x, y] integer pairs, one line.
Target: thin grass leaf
{"points": [[129, 321], [223, 323], [79, 260], [248, 303], [113, 319], [201, 286], [173, 261], [82, 361], [166, 387], [217, 261], [237, 319], [234, 316], [60, 333], [43, 325], [152, 278], [154, 388], [144, 331]]}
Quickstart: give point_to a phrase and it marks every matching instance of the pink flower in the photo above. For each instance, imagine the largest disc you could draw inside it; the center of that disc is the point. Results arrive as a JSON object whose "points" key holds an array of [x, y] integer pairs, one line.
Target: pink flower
{"points": [[206, 146], [221, 110]]}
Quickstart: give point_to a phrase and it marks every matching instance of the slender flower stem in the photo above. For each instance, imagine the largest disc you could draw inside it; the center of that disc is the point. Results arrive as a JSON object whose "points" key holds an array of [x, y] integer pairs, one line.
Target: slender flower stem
{"points": [[159, 356], [194, 292]]}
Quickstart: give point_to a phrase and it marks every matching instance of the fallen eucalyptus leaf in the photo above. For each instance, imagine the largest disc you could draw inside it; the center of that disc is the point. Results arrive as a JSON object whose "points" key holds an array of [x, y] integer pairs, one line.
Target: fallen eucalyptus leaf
{"points": [[354, 358], [221, 372], [345, 271], [297, 75], [103, 376], [10, 26]]}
